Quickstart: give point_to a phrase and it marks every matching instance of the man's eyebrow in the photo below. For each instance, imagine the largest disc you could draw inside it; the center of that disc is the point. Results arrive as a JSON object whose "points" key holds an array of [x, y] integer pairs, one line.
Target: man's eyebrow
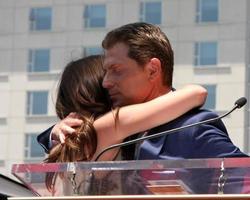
{"points": [[111, 65]]}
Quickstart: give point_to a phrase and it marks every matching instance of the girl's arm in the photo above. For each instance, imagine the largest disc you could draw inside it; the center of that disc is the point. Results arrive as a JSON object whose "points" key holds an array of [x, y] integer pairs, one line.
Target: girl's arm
{"points": [[140, 117]]}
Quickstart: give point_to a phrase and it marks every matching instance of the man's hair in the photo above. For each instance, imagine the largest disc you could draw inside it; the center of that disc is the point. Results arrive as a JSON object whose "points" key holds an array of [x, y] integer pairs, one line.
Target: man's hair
{"points": [[145, 41]]}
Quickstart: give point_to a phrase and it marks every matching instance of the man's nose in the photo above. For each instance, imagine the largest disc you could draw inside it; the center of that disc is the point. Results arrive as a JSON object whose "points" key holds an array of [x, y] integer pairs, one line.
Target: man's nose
{"points": [[107, 82]]}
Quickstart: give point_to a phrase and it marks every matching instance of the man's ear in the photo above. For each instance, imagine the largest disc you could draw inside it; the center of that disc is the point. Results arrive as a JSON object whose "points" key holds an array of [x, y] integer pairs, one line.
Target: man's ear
{"points": [[154, 69]]}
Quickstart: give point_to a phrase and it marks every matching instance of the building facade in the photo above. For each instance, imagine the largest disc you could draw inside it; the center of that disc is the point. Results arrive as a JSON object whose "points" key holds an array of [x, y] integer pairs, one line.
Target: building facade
{"points": [[210, 39]]}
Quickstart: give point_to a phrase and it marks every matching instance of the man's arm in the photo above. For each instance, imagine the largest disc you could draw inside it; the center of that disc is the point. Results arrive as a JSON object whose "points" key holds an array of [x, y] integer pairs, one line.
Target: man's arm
{"points": [[208, 140], [212, 140]]}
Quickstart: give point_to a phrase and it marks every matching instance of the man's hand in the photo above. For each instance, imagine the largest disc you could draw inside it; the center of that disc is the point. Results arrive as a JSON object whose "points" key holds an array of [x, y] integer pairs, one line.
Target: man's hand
{"points": [[64, 127]]}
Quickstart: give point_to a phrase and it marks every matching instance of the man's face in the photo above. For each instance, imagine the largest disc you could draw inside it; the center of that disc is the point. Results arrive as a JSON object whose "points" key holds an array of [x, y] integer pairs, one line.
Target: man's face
{"points": [[126, 81]]}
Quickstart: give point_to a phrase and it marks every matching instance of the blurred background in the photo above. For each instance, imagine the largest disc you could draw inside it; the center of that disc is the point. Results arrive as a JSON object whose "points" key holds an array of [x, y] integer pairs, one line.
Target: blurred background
{"points": [[210, 39]]}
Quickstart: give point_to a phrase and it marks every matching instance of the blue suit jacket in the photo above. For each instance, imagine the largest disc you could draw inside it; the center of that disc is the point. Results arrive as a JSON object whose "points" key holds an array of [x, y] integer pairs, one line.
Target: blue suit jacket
{"points": [[202, 141]]}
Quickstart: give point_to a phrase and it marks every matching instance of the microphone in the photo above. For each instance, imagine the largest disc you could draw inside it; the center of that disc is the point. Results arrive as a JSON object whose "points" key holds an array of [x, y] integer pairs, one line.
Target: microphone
{"points": [[238, 104]]}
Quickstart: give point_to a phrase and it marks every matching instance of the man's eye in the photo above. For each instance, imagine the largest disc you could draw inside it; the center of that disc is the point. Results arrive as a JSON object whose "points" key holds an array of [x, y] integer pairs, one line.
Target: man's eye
{"points": [[117, 70]]}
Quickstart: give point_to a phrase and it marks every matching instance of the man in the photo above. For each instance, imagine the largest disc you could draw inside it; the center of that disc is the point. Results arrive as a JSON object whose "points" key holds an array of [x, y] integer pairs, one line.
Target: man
{"points": [[139, 67]]}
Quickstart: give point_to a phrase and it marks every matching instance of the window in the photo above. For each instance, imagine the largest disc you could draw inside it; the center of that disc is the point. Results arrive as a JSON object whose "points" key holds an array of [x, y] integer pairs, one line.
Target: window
{"points": [[32, 149], [40, 19], [33, 152], [95, 16], [205, 53], [206, 11], [211, 98], [37, 103], [150, 12], [39, 60], [87, 51]]}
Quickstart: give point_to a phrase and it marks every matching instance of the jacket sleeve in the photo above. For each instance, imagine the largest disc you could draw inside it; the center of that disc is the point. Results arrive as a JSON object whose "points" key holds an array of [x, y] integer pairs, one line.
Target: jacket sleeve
{"points": [[211, 140], [44, 139]]}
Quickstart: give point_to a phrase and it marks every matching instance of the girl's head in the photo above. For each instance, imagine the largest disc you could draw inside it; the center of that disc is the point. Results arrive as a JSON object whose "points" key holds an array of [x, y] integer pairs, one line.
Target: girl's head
{"points": [[80, 90]]}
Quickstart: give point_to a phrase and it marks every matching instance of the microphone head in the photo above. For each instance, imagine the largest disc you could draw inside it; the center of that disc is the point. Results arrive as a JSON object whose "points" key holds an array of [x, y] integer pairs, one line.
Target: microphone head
{"points": [[240, 102]]}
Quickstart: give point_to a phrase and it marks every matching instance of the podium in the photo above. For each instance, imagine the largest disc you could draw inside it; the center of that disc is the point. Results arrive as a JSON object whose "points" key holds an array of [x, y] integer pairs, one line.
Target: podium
{"points": [[220, 178]]}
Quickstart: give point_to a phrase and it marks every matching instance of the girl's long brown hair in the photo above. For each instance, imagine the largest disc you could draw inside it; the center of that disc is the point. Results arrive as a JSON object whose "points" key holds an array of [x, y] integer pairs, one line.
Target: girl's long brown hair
{"points": [[80, 90]]}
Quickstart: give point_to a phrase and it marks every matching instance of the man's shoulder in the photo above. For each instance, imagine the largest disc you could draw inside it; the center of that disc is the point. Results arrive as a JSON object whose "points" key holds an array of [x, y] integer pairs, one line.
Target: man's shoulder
{"points": [[192, 116], [196, 115]]}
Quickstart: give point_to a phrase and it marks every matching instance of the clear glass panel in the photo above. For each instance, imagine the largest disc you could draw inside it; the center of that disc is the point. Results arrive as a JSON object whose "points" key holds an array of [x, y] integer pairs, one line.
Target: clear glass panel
{"points": [[196, 54], [209, 10], [30, 64], [86, 11], [32, 149], [40, 102], [32, 19], [36, 151], [43, 19], [197, 16], [152, 12], [208, 53], [35, 178], [40, 18], [29, 102], [211, 98], [150, 177], [95, 15], [41, 60], [86, 16]]}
